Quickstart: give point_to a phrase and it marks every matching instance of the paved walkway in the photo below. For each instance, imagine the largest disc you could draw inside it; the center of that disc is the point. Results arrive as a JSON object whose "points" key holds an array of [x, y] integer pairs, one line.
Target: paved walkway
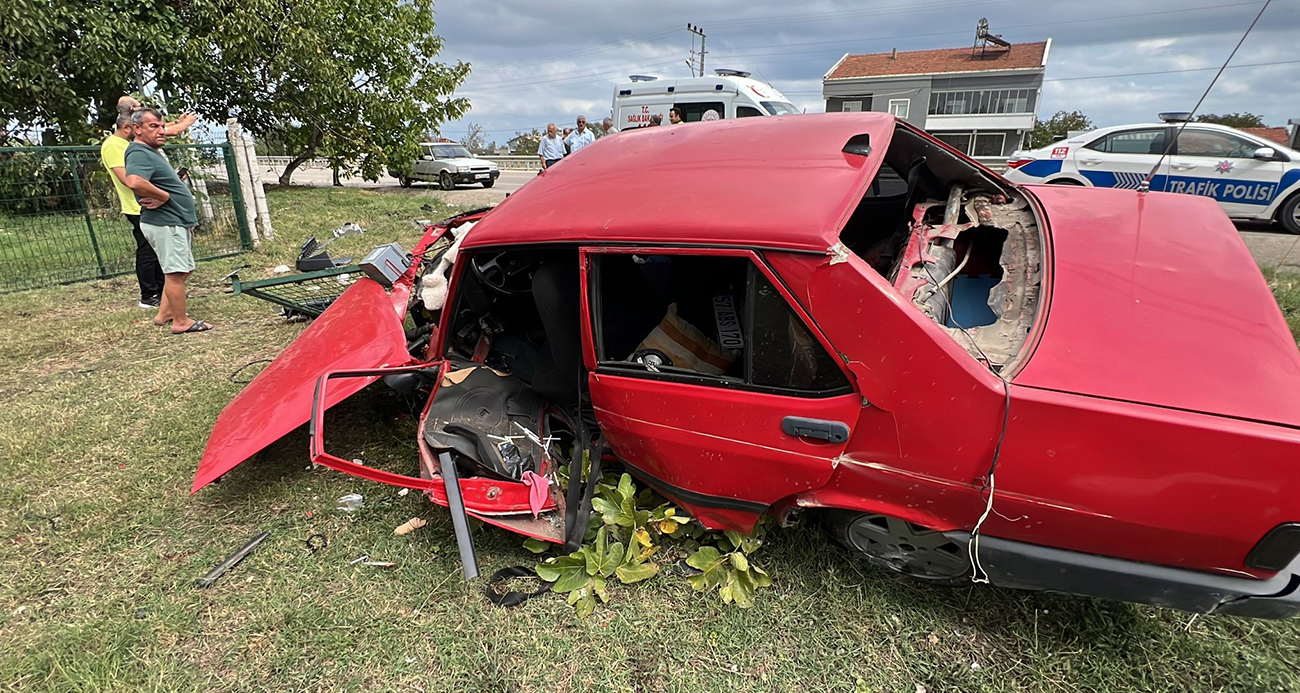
{"points": [[1274, 248]]}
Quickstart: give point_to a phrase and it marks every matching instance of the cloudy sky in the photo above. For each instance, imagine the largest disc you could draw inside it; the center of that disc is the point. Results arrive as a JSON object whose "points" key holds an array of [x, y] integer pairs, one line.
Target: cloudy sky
{"points": [[539, 62]]}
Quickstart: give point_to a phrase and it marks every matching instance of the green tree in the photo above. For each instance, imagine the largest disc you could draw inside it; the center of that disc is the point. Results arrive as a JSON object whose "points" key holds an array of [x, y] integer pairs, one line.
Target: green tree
{"points": [[525, 142], [66, 62], [1061, 123], [1233, 120], [354, 81], [473, 139]]}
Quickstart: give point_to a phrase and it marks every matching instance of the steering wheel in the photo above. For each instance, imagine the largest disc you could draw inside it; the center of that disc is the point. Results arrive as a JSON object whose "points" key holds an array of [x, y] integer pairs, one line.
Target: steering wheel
{"points": [[504, 272]]}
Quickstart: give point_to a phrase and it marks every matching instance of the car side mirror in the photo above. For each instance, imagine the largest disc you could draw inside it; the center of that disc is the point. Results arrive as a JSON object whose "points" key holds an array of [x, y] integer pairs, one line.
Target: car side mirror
{"points": [[426, 157], [1266, 154]]}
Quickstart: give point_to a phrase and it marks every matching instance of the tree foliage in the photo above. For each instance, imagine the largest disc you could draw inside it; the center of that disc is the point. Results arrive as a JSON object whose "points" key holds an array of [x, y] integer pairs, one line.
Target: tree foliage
{"points": [[355, 81], [473, 139], [1061, 123], [1233, 120], [66, 62], [525, 142]]}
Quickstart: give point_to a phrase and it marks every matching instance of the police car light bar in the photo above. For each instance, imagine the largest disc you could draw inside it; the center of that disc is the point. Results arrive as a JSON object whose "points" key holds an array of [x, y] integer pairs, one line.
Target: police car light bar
{"points": [[1175, 117]]}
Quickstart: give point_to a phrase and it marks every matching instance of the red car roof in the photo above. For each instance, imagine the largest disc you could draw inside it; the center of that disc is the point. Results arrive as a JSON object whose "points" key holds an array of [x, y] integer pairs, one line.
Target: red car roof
{"points": [[1155, 299], [778, 182]]}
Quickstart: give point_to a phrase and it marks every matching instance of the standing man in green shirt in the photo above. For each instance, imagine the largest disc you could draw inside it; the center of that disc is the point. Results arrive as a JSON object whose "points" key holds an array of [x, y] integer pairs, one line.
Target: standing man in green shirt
{"points": [[112, 153], [166, 217]]}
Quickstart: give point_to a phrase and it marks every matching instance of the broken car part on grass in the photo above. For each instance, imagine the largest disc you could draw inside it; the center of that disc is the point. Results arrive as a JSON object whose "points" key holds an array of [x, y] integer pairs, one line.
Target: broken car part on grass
{"points": [[854, 346]]}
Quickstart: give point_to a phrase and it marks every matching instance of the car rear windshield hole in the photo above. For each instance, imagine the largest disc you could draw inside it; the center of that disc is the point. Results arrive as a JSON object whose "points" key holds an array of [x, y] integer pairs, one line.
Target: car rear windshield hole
{"points": [[961, 244]]}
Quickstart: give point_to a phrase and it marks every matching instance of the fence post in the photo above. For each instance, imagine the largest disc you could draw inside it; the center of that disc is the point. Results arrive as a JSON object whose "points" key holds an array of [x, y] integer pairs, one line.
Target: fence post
{"points": [[243, 178], [85, 210], [259, 192], [237, 195]]}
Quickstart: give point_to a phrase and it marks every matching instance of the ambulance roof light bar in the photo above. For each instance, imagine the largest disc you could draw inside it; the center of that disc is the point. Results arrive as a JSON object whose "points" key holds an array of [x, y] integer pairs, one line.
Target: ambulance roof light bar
{"points": [[642, 78], [723, 72]]}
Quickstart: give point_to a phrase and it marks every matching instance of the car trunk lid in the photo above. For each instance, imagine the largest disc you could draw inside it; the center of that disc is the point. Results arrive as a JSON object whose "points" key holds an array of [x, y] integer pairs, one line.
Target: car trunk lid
{"points": [[1155, 299]]}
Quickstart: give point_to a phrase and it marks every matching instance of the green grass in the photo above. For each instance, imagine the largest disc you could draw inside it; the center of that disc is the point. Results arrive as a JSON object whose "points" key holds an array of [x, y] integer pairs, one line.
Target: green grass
{"points": [[1286, 287], [103, 419]]}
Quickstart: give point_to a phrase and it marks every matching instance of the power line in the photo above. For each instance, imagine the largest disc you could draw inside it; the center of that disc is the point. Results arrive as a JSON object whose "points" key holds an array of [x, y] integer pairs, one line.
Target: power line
{"points": [[574, 77]]}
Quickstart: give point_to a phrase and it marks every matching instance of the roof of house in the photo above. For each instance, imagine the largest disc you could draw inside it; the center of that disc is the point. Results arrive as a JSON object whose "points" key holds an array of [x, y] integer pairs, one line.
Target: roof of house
{"points": [[1020, 56], [707, 183], [1276, 134]]}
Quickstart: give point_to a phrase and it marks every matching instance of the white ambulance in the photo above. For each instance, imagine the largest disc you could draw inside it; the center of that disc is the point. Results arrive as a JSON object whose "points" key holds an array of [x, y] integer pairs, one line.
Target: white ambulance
{"points": [[728, 94]]}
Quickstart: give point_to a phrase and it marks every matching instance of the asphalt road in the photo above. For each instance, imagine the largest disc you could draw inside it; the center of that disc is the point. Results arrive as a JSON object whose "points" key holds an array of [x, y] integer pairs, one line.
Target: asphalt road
{"points": [[1269, 244], [509, 182]]}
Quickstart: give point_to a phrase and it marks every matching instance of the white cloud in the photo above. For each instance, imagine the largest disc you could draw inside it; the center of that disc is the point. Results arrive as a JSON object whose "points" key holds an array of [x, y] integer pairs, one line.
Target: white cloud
{"points": [[535, 64]]}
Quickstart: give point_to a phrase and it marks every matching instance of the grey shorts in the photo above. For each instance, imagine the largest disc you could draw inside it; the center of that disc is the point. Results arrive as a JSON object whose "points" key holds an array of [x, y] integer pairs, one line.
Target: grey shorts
{"points": [[172, 245]]}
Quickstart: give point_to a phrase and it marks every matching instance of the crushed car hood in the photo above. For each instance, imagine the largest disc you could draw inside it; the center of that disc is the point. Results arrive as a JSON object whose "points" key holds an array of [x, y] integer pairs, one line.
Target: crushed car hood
{"points": [[360, 330], [1156, 300]]}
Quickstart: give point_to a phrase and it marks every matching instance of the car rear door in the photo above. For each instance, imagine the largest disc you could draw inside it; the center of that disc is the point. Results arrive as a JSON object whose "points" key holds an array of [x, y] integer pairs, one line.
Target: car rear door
{"points": [[1223, 166], [708, 381], [1124, 158]]}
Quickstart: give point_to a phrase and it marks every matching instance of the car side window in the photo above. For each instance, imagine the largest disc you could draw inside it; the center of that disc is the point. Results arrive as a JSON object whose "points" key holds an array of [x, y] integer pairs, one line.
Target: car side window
{"points": [[1217, 145], [747, 112], [1149, 141], [706, 319], [785, 354]]}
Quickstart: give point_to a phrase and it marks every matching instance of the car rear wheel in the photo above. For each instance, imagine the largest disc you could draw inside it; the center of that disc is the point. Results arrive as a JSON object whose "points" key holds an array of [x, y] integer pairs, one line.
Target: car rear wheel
{"points": [[489, 183], [1289, 214], [900, 546], [404, 181], [446, 181]]}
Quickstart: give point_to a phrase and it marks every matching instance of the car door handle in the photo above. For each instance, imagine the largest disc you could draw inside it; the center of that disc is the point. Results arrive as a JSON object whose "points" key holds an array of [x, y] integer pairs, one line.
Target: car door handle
{"points": [[1090, 162], [1183, 167], [815, 429]]}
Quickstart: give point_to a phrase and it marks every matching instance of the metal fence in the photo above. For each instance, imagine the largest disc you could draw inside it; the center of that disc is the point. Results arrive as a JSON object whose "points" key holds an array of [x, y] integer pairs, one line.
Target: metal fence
{"points": [[60, 219]]}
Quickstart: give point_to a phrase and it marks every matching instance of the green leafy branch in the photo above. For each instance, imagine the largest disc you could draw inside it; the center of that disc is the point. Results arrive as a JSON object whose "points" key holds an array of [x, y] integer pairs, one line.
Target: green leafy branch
{"points": [[637, 533]]}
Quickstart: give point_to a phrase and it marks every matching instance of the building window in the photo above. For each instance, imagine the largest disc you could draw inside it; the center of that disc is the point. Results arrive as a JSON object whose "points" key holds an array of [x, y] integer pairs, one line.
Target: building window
{"points": [[850, 106], [957, 140], [989, 143], [899, 108], [981, 102]]}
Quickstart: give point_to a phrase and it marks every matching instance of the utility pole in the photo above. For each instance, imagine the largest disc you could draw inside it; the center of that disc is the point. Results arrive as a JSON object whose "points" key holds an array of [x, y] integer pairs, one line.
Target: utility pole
{"points": [[697, 31]]}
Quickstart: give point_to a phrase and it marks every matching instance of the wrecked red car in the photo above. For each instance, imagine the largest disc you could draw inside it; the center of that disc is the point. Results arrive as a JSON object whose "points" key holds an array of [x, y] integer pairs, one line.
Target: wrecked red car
{"points": [[1080, 390]]}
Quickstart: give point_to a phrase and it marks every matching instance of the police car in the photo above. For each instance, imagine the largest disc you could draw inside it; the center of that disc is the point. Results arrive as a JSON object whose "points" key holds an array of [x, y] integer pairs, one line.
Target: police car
{"points": [[1250, 177]]}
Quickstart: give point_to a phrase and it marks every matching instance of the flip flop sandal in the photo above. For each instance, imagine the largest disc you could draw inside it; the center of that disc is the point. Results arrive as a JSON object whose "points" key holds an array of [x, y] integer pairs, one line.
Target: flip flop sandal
{"points": [[198, 326]]}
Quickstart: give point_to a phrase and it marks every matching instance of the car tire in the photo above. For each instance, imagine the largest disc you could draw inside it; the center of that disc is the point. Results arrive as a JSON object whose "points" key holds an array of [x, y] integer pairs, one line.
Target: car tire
{"points": [[446, 181], [1289, 214], [489, 183], [1064, 181], [900, 546], [404, 181]]}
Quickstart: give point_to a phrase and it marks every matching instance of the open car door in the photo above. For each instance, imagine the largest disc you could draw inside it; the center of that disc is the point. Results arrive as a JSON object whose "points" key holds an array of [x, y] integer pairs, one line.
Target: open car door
{"points": [[708, 381], [362, 329]]}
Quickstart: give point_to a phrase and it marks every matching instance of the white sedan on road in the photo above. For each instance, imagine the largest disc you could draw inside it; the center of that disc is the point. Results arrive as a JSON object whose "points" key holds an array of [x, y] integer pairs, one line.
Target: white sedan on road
{"points": [[1252, 178]]}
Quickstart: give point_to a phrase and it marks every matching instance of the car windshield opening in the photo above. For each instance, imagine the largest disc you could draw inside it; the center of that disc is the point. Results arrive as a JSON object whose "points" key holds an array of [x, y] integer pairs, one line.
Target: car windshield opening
{"points": [[779, 108], [451, 151]]}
